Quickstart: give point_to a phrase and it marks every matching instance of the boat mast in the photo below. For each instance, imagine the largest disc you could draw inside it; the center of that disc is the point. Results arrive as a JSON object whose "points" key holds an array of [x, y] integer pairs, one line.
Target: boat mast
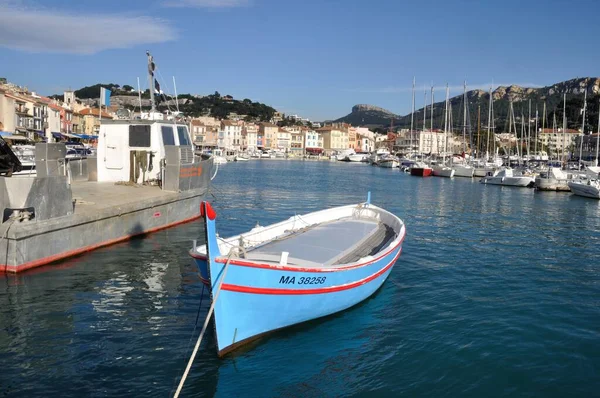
{"points": [[151, 67], [424, 118], [529, 130], [478, 129], [564, 126], [582, 129], [465, 121], [536, 132], [598, 134], [412, 116], [446, 126], [489, 128], [431, 128]]}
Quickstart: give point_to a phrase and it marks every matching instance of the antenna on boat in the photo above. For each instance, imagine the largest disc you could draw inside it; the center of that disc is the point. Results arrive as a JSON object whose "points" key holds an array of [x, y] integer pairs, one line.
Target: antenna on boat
{"points": [[176, 100], [139, 95], [151, 67], [368, 198]]}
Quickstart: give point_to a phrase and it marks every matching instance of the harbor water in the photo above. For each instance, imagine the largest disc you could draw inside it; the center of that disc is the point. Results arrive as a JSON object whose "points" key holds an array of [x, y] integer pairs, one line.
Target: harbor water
{"points": [[496, 294]]}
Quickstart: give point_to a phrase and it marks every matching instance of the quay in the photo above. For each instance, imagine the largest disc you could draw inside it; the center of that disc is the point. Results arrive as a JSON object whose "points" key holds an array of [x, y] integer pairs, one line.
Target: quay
{"points": [[145, 177], [102, 214]]}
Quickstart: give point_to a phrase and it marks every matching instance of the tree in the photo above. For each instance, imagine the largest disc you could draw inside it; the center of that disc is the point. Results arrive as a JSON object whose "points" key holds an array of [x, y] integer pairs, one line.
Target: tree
{"points": [[127, 87]]}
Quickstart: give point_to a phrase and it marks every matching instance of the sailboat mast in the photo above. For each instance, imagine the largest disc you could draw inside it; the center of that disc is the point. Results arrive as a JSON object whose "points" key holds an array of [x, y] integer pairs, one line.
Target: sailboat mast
{"points": [[412, 116], [564, 126], [489, 128], [478, 128], [529, 129], [465, 120], [446, 127], [598, 134], [536, 131], [582, 129], [431, 106]]}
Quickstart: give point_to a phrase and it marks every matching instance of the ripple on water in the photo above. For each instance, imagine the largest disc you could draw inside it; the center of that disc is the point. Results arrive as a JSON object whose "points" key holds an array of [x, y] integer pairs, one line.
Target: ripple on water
{"points": [[495, 294]]}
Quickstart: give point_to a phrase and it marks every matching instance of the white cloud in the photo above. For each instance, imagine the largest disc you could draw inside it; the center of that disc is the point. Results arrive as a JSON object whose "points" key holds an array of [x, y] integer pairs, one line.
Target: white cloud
{"points": [[43, 30], [206, 3]]}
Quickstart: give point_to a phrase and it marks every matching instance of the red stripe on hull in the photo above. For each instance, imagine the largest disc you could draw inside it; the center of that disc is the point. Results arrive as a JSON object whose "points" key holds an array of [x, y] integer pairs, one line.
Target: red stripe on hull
{"points": [[243, 263], [421, 172], [61, 256], [331, 289]]}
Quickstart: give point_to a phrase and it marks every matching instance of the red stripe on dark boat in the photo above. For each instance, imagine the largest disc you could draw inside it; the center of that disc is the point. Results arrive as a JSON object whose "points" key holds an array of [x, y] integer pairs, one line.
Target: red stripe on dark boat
{"points": [[331, 289]]}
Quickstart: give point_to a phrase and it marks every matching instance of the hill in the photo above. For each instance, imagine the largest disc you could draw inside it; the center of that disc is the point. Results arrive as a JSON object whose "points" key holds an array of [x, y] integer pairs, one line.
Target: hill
{"points": [[478, 101], [191, 105]]}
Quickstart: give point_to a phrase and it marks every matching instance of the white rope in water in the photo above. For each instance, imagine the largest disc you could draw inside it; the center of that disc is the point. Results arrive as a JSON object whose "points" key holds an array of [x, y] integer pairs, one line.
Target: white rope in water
{"points": [[197, 346]]}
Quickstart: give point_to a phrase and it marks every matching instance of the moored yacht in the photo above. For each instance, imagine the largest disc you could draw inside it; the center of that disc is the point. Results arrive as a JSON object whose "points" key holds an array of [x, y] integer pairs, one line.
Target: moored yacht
{"points": [[588, 188], [553, 179], [507, 177], [421, 169]]}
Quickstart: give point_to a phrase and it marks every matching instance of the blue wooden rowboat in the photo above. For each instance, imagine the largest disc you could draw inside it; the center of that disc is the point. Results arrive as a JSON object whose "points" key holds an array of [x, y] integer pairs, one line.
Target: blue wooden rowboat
{"points": [[300, 269]]}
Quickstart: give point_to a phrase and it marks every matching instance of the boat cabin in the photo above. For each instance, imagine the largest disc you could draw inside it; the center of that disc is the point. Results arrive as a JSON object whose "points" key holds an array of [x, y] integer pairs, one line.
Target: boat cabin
{"points": [[126, 147]]}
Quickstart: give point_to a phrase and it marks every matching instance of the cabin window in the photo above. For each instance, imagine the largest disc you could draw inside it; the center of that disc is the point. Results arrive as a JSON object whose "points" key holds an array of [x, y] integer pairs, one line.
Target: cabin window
{"points": [[139, 136], [184, 139], [167, 135]]}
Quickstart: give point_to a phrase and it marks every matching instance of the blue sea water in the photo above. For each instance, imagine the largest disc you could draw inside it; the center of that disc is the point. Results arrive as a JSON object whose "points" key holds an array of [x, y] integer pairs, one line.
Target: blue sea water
{"points": [[496, 293]]}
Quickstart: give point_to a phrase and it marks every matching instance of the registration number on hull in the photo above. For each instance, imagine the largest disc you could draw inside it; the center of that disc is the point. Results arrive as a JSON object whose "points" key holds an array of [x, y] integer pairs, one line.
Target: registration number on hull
{"points": [[302, 280]]}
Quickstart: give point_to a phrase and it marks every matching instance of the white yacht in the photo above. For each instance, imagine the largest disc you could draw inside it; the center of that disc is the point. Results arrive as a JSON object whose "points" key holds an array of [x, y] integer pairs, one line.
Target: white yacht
{"points": [[443, 171], [553, 179], [218, 157], [589, 188], [359, 157], [507, 177]]}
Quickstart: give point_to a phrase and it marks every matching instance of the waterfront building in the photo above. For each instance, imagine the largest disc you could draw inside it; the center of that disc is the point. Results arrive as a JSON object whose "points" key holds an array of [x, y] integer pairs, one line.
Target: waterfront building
{"points": [[91, 120], [313, 142], [283, 141], [589, 146], [268, 132], [230, 136], [334, 138], [53, 121], [297, 141], [555, 142], [429, 142], [352, 141], [250, 137], [198, 131]]}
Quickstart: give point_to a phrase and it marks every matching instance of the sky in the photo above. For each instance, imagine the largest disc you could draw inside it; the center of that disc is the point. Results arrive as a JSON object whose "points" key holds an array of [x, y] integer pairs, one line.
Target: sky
{"points": [[314, 58]]}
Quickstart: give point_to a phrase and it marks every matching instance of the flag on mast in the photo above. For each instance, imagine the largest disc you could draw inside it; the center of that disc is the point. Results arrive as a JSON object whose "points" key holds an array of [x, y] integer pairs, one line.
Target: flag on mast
{"points": [[104, 97]]}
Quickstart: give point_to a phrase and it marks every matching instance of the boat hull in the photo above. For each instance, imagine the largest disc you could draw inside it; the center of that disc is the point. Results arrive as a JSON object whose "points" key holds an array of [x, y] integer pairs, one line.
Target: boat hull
{"points": [[583, 189], [421, 171], [551, 184], [463, 171], [482, 172], [254, 301], [388, 164], [443, 172], [509, 181]]}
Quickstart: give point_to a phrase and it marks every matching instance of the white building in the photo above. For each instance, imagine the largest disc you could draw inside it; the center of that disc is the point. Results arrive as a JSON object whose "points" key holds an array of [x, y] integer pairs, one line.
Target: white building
{"points": [[365, 139], [284, 139], [556, 142], [427, 142], [230, 136], [250, 137]]}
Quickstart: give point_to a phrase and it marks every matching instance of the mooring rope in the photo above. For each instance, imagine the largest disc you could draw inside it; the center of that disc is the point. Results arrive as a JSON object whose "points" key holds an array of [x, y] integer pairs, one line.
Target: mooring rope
{"points": [[210, 311]]}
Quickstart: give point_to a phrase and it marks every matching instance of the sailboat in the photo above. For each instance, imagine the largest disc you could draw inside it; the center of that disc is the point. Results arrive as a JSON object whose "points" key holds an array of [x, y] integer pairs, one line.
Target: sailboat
{"points": [[484, 167], [420, 168], [463, 169], [589, 187], [554, 179], [443, 170]]}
